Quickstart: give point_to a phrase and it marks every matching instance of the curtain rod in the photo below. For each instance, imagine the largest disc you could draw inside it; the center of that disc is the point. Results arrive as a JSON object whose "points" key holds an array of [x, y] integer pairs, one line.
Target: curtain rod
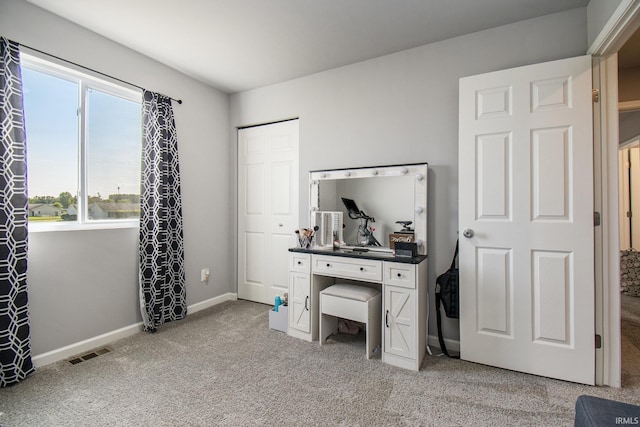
{"points": [[179, 101]]}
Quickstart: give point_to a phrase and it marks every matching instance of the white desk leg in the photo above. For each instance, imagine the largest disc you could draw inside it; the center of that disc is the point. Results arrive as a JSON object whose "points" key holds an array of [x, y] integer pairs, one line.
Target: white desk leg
{"points": [[328, 325]]}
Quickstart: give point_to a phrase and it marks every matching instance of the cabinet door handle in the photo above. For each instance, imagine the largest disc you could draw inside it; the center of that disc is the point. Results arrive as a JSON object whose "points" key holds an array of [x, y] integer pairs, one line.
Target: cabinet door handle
{"points": [[399, 274], [299, 262], [306, 303], [386, 318]]}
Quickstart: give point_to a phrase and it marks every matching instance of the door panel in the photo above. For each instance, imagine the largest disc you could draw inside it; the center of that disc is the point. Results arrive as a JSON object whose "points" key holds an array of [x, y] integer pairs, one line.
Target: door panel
{"points": [[526, 191], [495, 315], [494, 197], [552, 286], [254, 267], [254, 195], [278, 256], [551, 169]]}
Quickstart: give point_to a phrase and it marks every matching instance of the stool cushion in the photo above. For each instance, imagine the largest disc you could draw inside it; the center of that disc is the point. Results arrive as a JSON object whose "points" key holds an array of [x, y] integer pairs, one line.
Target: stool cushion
{"points": [[354, 292]]}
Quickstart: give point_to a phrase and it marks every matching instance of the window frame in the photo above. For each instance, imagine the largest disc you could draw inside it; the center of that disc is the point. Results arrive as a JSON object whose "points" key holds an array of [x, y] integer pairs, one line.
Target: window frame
{"points": [[86, 81]]}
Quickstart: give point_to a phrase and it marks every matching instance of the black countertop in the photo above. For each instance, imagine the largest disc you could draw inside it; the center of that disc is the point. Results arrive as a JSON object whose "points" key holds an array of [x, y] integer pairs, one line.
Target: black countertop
{"points": [[350, 253]]}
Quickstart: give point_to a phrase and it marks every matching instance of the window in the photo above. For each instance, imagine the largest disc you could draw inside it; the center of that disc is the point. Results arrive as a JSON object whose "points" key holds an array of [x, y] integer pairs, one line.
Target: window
{"points": [[84, 139]]}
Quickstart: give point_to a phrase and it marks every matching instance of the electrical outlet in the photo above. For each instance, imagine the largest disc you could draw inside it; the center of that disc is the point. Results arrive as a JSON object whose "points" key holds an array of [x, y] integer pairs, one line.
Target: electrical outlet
{"points": [[204, 275]]}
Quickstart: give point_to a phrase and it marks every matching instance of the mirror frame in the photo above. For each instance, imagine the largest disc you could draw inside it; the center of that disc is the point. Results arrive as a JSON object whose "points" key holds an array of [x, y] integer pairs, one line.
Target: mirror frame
{"points": [[418, 170]]}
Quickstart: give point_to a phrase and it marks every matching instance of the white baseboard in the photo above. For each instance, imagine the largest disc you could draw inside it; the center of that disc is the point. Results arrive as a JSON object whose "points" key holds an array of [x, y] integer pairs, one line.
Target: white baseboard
{"points": [[452, 345], [109, 337], [194, 308], [86, 345]]}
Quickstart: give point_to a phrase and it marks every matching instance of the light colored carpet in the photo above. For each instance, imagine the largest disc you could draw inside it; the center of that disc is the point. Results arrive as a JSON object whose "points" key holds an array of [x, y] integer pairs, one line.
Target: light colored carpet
{"points": [[223, 366]]}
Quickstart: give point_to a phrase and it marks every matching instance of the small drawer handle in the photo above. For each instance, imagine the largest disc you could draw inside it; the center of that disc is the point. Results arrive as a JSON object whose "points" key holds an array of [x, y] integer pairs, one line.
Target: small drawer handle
{"points": [[399, 274], [361, 268], [299, 262], [328, 265]]}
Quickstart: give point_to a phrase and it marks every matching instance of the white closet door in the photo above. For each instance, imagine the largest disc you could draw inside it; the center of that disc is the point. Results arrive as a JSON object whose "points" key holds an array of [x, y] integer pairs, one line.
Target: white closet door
{"points": [[526, 201], [267, 208]]}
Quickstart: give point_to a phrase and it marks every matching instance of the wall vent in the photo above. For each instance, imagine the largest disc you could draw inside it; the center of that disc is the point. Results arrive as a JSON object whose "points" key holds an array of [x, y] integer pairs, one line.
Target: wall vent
{"points": [[90, 355]]}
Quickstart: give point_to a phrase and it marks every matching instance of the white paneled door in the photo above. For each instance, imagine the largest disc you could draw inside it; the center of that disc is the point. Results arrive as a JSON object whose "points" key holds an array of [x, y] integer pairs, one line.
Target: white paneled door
{"points": [[526, 220], [267, 208]]}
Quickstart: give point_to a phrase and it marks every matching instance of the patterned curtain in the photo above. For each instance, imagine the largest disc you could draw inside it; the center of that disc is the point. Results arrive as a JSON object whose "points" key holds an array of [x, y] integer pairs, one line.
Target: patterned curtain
{"points": [[15, 341], [162, 278]]}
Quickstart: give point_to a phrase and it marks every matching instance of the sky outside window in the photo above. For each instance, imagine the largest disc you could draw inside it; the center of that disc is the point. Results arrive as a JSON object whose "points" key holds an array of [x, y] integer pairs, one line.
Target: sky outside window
{"points": [[51, 123], [114, 133]]}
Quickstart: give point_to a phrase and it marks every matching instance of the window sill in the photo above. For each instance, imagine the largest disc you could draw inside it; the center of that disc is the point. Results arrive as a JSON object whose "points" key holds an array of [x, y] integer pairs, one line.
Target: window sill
{"points": [[97, 225]]}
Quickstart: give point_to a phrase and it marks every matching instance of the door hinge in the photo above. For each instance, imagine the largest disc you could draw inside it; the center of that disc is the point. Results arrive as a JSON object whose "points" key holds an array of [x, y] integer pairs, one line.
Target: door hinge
{"points": [[595, 95], [598, 341], [596, 219], [629, 214]]}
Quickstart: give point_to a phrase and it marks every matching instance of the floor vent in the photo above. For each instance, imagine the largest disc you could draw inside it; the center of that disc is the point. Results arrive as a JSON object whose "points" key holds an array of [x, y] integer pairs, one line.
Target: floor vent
{"points": [[95, 353]]}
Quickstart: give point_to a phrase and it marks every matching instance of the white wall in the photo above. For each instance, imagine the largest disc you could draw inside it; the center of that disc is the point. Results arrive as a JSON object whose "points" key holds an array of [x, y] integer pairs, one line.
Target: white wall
{"points": [[84, 283], [403, 108], [598, 14]]}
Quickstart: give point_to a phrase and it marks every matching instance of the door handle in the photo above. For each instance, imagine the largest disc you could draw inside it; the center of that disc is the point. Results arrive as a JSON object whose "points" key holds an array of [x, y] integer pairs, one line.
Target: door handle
{"points": [[386, 319], [468, 233], [306, 303]]}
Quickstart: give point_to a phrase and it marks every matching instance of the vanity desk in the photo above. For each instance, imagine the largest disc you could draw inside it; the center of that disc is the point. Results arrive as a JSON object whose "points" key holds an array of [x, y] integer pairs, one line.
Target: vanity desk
{"points": [[393, 194], [402, 280]]}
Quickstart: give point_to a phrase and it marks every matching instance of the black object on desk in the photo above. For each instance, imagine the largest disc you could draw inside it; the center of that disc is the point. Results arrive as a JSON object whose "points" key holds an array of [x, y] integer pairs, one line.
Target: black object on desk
{"points": [[409, 249]]}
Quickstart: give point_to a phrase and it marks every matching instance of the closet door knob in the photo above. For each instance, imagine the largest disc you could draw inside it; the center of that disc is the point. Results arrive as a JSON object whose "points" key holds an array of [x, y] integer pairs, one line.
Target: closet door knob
{"points": [[468, 233]]}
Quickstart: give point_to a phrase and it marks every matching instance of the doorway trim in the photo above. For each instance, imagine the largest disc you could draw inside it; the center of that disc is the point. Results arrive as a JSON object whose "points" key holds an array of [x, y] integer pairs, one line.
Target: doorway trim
{"points": [[621, 25]]}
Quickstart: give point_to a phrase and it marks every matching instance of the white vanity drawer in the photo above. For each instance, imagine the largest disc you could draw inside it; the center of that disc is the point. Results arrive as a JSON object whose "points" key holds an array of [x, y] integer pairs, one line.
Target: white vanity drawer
{"points": [[299, 262], [348, 268], [400, 274]]}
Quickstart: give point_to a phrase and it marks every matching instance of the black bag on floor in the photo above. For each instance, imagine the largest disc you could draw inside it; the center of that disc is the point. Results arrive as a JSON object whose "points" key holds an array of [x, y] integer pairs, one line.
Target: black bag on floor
{"points": [[447, 294]]}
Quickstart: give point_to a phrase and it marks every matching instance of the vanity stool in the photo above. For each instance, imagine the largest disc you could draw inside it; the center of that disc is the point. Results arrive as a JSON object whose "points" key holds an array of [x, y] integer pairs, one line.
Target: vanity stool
{"points": [[359, 303]]}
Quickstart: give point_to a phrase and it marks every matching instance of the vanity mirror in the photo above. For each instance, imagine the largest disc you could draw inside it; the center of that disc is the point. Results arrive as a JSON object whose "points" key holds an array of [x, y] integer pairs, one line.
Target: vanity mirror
{"points": [[375, 202]]}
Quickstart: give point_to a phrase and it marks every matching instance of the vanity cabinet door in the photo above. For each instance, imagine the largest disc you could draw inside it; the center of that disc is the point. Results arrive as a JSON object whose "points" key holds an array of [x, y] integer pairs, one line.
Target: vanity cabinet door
{"points": [[299, 301], [399, 321]]}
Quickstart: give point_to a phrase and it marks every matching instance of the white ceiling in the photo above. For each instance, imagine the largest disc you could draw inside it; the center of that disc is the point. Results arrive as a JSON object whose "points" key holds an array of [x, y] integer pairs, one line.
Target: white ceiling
{"points": [[236, 45]]}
